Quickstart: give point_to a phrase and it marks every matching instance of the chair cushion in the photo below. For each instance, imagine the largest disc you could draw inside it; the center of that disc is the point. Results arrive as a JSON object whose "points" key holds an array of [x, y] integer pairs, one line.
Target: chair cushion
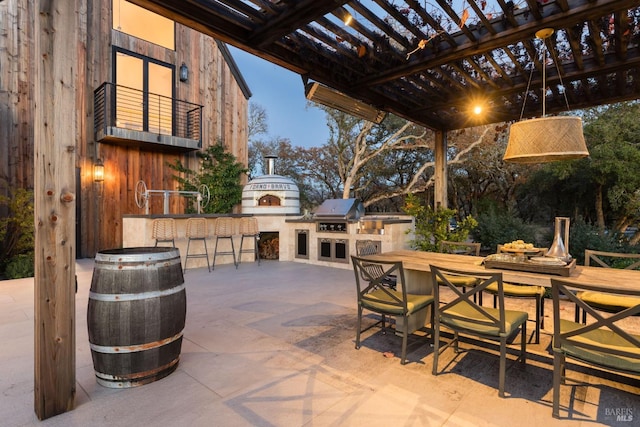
{"points": [[603, 338], [460, 281], [511, 290], [608, 302], [513, 319], [414, 302]]}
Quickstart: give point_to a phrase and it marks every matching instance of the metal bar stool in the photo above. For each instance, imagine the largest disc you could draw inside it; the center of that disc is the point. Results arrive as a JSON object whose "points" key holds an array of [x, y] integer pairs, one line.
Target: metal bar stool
{"points": [[249, 229], [197, 230], [164, 231], [224, 229]]}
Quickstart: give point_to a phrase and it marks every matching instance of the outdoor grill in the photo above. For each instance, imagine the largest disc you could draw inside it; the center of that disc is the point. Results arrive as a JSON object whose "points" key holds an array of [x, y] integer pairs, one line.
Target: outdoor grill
{"points": [[333, 215], [340, 209]]}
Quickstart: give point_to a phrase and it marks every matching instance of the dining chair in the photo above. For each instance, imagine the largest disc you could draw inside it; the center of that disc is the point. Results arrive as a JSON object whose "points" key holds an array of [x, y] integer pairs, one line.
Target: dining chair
{"points": [[514, 290], [464, 316], [606, 260], [461, 248], [373, 247], [224, 228], [374, 295], [605, 343]]}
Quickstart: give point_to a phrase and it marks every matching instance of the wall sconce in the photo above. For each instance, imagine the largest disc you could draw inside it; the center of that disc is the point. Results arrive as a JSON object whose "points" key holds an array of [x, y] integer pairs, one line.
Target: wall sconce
{"points": [[184, 72], [98, 171]]}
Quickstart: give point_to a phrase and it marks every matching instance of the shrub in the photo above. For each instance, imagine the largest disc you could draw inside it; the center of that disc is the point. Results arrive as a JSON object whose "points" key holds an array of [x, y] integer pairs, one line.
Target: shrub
{"points": [[16, 227], [587, 236], [20, 266], [220, 172], [499, 227], [433, 225]]}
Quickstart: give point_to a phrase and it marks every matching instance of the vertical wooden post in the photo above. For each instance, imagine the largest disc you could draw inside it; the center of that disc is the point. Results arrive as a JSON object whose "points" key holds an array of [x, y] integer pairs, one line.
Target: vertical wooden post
{"points": [[440, 177], [55, 37]]}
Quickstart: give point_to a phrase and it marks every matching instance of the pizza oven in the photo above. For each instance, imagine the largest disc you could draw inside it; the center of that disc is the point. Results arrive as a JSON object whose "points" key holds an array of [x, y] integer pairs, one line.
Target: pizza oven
{"points": [[271, 194]]}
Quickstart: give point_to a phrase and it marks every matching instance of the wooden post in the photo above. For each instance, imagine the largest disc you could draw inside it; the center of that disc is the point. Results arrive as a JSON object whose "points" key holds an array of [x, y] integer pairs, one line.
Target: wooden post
{"points": [[55, 36], [440, 173]]}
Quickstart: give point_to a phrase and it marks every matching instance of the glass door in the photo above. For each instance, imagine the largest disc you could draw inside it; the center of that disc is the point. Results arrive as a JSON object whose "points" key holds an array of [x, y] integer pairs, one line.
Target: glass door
{"points": [[144, 93]]}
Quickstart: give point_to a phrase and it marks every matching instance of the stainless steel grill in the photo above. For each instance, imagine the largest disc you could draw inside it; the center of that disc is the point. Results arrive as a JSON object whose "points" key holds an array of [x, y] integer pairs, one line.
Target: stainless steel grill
{"points": [[344, 209]]}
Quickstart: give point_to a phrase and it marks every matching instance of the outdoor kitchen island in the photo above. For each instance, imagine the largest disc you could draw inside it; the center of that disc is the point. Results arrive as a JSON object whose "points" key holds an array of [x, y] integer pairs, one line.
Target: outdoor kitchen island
{"points": [[324, 238]]}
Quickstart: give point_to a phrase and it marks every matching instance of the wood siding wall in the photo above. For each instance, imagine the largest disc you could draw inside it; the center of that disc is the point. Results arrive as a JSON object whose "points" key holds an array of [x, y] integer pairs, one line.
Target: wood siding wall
{"points": [[101, 206]]}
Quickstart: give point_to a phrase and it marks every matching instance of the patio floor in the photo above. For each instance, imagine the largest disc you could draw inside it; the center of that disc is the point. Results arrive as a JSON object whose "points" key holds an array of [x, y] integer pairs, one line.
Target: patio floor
{"points": [[273, 345]]}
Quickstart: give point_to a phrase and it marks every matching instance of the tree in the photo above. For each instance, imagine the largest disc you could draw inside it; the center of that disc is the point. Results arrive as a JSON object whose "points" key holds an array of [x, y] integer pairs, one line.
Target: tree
{"points": [[257, 121], [291, 162], [380, 162], [614, 147], [220, 172]]}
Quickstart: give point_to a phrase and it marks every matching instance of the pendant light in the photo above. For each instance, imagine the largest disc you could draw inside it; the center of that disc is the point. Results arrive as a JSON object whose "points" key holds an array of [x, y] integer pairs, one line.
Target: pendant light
{"points": [[545, 139]]}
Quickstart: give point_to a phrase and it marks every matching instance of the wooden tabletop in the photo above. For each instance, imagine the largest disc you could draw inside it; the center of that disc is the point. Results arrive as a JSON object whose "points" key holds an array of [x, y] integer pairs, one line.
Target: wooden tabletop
{"points": [[605, 277]]}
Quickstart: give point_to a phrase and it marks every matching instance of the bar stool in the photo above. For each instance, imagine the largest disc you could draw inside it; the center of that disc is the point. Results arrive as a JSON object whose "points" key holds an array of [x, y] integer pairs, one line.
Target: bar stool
{"points": [[197, 230], [164, 231], [249, 228], [224, 229]]}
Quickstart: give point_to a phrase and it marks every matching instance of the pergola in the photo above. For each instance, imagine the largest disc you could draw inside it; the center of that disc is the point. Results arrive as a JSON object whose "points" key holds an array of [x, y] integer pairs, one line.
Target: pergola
{"points": [[426, 61], [432, 62]]}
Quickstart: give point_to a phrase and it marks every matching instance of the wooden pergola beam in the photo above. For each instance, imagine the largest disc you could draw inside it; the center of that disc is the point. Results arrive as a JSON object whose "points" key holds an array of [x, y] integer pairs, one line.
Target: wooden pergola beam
{"points": [[56, 37]]}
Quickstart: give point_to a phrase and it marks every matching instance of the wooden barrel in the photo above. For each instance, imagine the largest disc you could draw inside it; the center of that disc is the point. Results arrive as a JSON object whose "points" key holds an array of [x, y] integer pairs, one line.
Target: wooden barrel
{"points": [[136, 315]]}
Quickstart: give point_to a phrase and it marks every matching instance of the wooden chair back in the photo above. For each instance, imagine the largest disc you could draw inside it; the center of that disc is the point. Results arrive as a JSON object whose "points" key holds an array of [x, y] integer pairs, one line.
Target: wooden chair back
{"points": [[464, 248], [611, 259]]}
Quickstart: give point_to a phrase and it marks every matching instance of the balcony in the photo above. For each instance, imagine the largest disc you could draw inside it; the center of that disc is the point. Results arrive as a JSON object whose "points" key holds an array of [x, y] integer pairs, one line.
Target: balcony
{"points": [[127, 116]]}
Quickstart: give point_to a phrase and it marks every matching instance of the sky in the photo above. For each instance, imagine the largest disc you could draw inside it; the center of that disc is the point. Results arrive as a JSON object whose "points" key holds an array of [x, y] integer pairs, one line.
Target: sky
{"points": [[281, 93]]}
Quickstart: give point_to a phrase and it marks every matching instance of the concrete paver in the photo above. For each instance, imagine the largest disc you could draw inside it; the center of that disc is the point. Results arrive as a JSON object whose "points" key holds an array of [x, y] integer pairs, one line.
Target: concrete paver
{"points": [[273, 345]]}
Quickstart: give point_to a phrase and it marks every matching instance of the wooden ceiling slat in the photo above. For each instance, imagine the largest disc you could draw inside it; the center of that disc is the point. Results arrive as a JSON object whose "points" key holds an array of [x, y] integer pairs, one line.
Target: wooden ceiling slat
{"points": [[486, 24], [457, 20], [434, 24], [380, 24], [596, 42], [285, 23]]}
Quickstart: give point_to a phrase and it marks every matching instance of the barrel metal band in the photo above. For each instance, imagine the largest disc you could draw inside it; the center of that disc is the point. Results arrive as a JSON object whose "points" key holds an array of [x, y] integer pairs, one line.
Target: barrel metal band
{"points": [[133, 297], [145, 265], [135, 377], [134, 348]]}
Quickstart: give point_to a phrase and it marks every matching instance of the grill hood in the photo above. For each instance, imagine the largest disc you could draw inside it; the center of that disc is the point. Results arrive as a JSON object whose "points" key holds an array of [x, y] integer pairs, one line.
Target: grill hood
{"points": [[340, 209]]}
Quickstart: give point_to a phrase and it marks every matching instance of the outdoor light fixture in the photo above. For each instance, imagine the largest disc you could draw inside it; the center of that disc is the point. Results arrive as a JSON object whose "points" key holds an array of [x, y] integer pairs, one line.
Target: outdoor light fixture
{"points": [[184, 72], [332, 98], [98, 171], [348, 18], [546, 139]]}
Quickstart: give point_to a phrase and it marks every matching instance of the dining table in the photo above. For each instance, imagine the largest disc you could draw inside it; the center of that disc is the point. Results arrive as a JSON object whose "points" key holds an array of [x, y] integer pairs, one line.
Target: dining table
{"points": [[418, 275]]}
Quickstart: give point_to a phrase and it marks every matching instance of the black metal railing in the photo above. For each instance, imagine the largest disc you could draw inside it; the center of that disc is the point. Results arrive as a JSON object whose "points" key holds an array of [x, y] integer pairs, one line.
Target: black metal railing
{"points": [[126, 108]]}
